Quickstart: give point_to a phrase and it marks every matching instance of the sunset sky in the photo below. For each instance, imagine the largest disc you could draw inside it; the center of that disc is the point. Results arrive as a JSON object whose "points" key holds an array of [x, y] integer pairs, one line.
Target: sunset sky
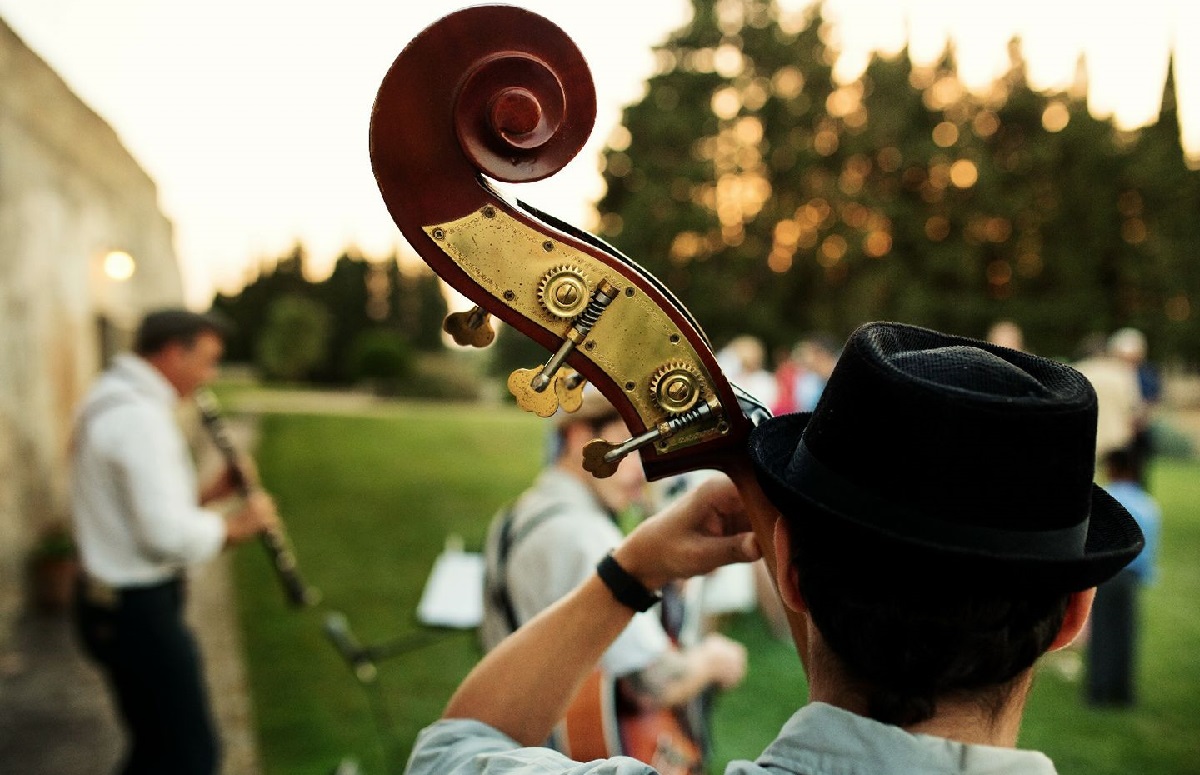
{"points": [[251, 115]]}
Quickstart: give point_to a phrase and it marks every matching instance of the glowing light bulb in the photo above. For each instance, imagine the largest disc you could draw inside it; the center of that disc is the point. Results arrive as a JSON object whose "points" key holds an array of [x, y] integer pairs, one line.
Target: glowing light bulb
{"points": [[118, 265]]}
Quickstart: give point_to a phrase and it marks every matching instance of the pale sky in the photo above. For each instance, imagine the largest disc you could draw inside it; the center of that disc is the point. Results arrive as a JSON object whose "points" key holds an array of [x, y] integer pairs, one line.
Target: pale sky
{"points": [[252, 115]]}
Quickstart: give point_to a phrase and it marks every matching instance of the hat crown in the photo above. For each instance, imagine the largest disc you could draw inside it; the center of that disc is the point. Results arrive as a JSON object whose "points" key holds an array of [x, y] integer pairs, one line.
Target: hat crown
{"points": [[971, 369], [957, 429], [972, 459]]}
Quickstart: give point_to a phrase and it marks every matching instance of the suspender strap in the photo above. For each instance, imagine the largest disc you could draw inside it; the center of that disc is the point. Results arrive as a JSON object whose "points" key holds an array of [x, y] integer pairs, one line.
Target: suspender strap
{"points": [[508, 542]]}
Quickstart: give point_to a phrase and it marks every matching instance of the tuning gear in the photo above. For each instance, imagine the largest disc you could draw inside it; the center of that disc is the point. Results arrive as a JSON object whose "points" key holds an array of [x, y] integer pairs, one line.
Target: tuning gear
{"points": [[563, 292], [472, 328], [601, 458], [675, 387], [528, 386]]}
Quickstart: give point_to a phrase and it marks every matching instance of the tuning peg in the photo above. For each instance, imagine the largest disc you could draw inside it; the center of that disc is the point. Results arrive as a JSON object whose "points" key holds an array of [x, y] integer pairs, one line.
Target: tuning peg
{"points": [[601, 458], [528, 386], [542, 402], [598, 459], [472, 328], [568, 386]]}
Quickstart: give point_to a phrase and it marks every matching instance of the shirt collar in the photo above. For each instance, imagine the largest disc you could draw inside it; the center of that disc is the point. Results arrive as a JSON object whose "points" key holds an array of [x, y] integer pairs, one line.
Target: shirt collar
{"points": [[145, 378], [824, 739]]}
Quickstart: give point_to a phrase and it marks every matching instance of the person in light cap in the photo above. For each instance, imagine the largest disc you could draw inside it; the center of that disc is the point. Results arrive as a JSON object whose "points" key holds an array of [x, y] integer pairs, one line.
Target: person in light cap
{"points": [[549, 540], [937, 532], [1128, 345]]}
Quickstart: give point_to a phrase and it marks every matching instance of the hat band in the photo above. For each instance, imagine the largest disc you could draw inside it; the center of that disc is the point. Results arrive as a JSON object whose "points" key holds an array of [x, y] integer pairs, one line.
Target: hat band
{"points": [[821, 484]]}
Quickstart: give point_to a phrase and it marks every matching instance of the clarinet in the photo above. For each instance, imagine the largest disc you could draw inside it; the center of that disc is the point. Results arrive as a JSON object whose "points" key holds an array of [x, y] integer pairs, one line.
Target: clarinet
{"points": [[273, 540]]}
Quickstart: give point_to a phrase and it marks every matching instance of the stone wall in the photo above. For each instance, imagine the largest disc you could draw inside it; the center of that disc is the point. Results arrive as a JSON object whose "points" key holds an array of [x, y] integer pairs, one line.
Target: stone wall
{"points": [[69, 194]]}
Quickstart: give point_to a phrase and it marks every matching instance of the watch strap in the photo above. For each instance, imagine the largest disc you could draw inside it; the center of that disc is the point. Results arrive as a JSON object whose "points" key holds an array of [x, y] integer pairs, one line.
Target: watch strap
{"points": [[628, 591]]}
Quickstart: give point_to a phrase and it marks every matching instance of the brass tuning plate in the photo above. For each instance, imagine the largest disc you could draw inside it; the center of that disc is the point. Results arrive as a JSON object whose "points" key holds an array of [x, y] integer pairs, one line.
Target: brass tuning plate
{"points": [[524, 271]]}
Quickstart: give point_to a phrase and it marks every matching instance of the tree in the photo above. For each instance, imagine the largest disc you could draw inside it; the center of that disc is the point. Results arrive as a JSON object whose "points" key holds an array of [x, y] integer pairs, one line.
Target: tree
{"points": [[295, 338], [776, 201], [359, 295], [248, 308], [380, 357]]}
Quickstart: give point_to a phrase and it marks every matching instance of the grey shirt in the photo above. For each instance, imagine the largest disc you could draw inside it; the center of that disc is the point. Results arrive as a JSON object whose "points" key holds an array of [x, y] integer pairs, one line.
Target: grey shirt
{"points": [[561, 531], [818, 739]]}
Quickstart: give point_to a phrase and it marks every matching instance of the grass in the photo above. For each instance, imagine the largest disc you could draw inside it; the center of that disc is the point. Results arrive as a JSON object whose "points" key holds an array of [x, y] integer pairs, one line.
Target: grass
{"points": [[369, 501], [1160, 735]]}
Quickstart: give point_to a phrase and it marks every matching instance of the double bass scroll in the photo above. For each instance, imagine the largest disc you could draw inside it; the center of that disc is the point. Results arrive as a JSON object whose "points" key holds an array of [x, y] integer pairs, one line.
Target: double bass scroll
{"points": [[500, 93]]}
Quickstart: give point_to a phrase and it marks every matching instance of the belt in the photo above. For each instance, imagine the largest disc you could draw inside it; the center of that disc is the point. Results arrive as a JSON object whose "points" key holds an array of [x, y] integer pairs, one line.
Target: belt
{"points": [[104, 595], [99, 593]]}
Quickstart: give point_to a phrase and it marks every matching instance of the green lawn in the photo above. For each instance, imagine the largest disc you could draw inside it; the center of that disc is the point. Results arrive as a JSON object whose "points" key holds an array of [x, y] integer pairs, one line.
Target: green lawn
{"points": [[369, 501]]}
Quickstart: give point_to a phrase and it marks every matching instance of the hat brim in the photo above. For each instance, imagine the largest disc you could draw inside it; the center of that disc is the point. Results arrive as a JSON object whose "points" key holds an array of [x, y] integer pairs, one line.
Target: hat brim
{"points": [[1113, 537]]}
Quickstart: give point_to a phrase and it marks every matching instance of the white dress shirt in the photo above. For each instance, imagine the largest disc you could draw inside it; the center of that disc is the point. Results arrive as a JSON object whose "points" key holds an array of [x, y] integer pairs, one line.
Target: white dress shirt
{"points": [[134, 491]]}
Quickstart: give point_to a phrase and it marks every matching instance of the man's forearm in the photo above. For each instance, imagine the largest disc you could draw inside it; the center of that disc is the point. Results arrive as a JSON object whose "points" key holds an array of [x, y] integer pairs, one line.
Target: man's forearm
{"points": [[523, 686]]}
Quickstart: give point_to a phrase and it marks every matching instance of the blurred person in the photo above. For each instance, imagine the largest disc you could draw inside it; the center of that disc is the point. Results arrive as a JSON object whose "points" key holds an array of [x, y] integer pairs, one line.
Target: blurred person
{"points": [[548, 541], [1129, 345], [1006, 333], [787, 382], [1114, 625], [922, 664], [743, 361], [1118, 398], [817, 355], [140, 521]]}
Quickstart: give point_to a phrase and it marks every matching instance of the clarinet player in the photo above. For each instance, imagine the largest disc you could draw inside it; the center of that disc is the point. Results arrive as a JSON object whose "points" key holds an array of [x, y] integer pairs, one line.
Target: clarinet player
{"points": [[140, 521]]}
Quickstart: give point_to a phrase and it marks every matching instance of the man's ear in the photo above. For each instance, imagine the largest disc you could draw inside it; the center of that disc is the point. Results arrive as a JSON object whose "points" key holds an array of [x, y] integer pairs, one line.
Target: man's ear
{"points": [[786, 577], [1078, 607]]}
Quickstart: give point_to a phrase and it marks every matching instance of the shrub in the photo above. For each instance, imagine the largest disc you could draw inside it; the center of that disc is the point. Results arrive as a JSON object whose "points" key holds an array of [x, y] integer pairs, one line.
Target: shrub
{"points": [[380, 358]]}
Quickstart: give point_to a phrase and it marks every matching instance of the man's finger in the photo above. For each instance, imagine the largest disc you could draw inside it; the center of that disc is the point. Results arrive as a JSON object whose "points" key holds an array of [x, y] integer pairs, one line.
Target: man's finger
{"points": [[733, 549]]}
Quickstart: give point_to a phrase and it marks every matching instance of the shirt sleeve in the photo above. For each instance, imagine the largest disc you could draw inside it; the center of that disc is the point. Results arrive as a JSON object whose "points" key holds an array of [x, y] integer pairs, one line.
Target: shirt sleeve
{"points": [[468, 747], [153, 471]]}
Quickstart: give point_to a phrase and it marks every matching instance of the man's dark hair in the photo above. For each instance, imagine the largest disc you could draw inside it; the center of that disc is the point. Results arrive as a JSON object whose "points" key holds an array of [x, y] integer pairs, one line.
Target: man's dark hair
{"points": [[909, 629], [163, 327]]}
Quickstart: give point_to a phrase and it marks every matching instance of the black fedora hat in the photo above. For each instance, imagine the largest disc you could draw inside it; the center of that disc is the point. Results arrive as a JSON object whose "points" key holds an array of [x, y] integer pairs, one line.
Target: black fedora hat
{"points": [[966, 452]]}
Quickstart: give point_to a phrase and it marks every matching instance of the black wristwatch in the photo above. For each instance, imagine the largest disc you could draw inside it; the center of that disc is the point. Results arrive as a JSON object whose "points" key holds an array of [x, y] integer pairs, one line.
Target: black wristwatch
{"points": [[628, 591]]}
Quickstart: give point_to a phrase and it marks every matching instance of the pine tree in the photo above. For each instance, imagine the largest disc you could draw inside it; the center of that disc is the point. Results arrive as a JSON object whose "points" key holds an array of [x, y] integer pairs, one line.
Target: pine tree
{"points": [[777, 202]]}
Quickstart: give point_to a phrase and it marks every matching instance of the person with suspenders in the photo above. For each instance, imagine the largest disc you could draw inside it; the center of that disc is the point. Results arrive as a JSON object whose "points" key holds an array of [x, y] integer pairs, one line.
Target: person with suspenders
{"points": [[551, 538]]}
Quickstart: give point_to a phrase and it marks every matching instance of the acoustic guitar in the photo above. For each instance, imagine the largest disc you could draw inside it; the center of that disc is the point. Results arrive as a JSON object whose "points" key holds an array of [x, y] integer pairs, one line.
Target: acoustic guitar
{"points": [[598, 727], [498, 93]]}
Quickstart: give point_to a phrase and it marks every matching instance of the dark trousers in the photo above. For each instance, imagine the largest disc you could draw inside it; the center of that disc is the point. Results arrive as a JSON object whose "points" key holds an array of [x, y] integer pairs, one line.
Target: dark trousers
{"points": [[1111, 644], [150, 659]]}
